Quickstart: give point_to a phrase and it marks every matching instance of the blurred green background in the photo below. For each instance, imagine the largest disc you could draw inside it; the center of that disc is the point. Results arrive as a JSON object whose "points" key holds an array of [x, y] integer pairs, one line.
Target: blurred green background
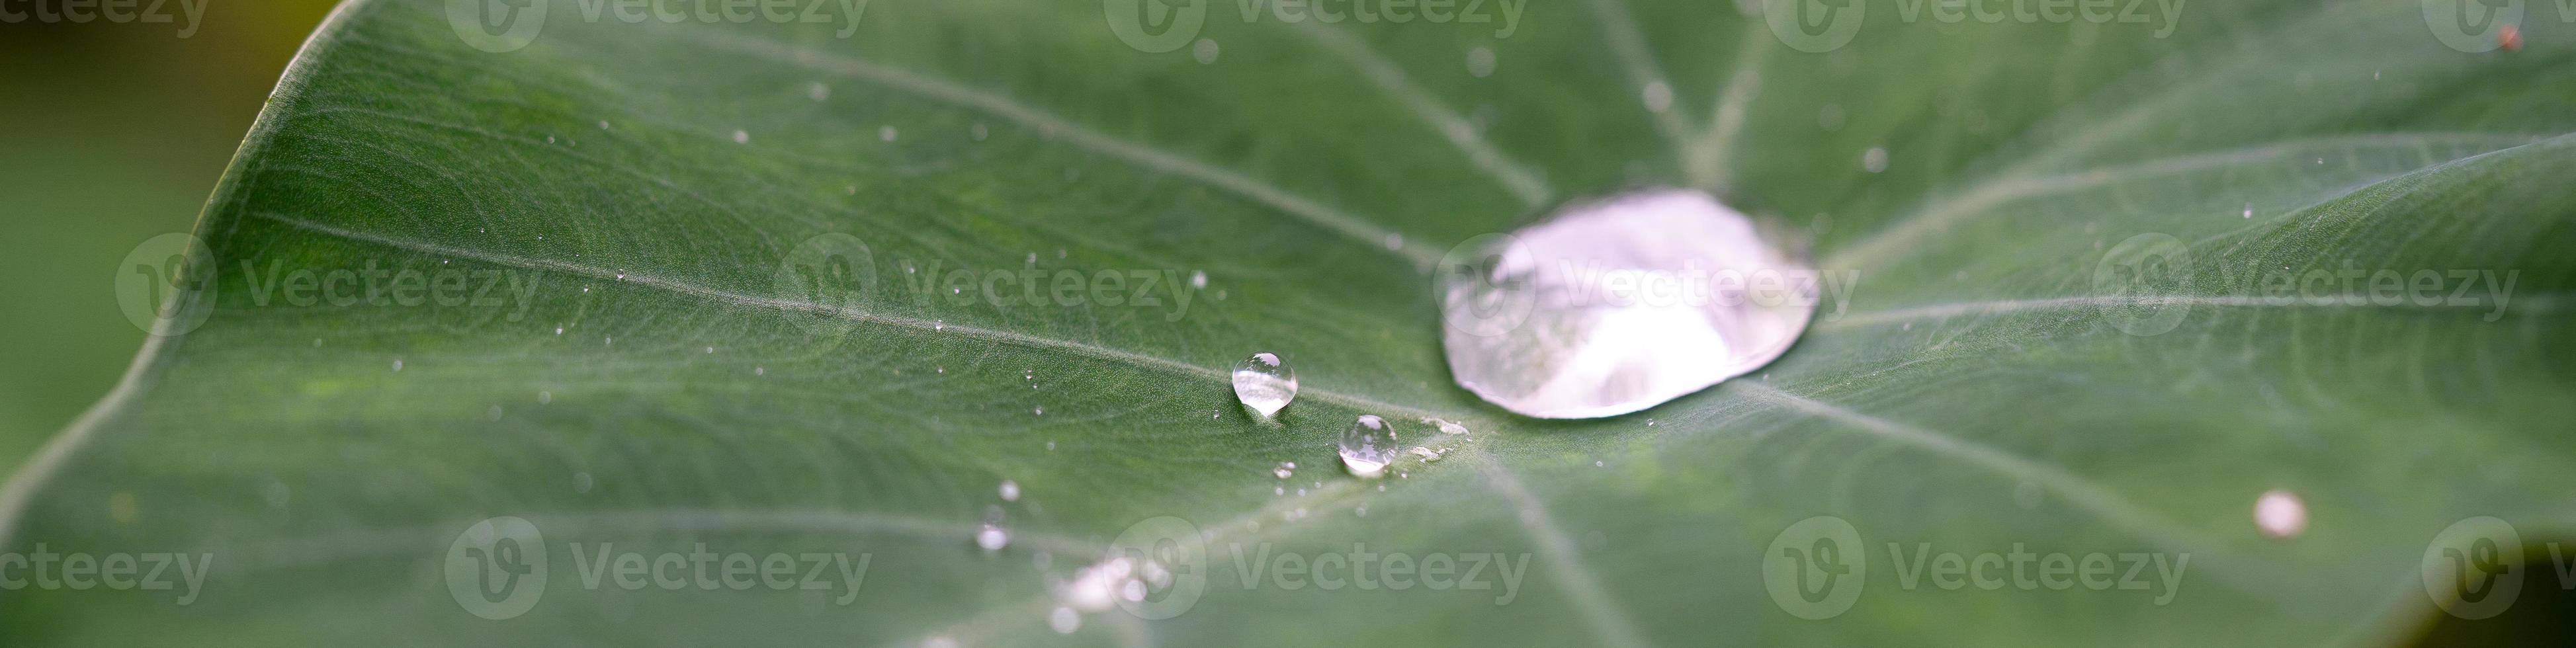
{"points": [[110, 134]]}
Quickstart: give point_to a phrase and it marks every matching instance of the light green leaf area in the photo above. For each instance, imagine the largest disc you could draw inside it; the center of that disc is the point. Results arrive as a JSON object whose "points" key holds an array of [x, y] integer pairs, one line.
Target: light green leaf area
{"points": [[1978, 391]]}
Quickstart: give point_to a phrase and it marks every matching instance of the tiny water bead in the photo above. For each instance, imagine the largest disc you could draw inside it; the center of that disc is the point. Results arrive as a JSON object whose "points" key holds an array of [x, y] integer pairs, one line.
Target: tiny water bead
{"points": [[1615, 305], [1285, 470], [1010, 491], [2280, 513], [1368, 446], [991, 536], [1264, 383]]}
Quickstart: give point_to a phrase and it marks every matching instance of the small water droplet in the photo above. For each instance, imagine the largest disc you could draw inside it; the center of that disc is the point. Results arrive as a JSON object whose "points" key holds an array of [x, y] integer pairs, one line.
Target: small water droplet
{"points": [[1445, 427], [1064, 620], [1198, 279], [558, 330], [1874, 160], [545, 397], [1659, 96], [397, 364], [886, 133], [1264, 383], [817, 91], [741, 137], [2249, 210], [1368, 446], [1285, 469], [759, 371], [1480, 62], [992, 538], [603, 124], [581, 482], [1394, 240], [492, 413], [1428, 455], [1041, 410], [1615, 305], [2280, 513], [979, 131], [1205, 51], [1010, 491], [938, 325]]}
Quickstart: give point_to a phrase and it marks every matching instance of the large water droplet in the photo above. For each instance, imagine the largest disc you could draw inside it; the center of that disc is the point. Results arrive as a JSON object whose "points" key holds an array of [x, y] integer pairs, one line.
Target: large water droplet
{"points": [[1615, 305], [1368, 446], [1264, 383]]}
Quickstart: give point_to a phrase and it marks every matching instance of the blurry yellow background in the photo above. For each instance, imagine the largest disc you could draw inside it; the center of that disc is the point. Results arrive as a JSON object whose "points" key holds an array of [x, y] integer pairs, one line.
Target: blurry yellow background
{"points": [[110, 134]]}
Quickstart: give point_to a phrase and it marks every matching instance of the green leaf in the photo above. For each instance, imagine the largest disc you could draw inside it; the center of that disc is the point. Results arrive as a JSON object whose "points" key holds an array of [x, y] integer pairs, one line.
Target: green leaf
{"points": [[672, 379]]}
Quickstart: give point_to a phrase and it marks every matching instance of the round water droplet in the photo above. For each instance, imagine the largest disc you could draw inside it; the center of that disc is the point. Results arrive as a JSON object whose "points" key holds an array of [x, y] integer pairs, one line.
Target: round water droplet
{"points": [[992, 538], [1615, 305], [1064, 620], [1010, 491], [2280, 513], [1480, 62], [1264, 383], [1368, 446], [1659, 96], [1285, 469]]}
